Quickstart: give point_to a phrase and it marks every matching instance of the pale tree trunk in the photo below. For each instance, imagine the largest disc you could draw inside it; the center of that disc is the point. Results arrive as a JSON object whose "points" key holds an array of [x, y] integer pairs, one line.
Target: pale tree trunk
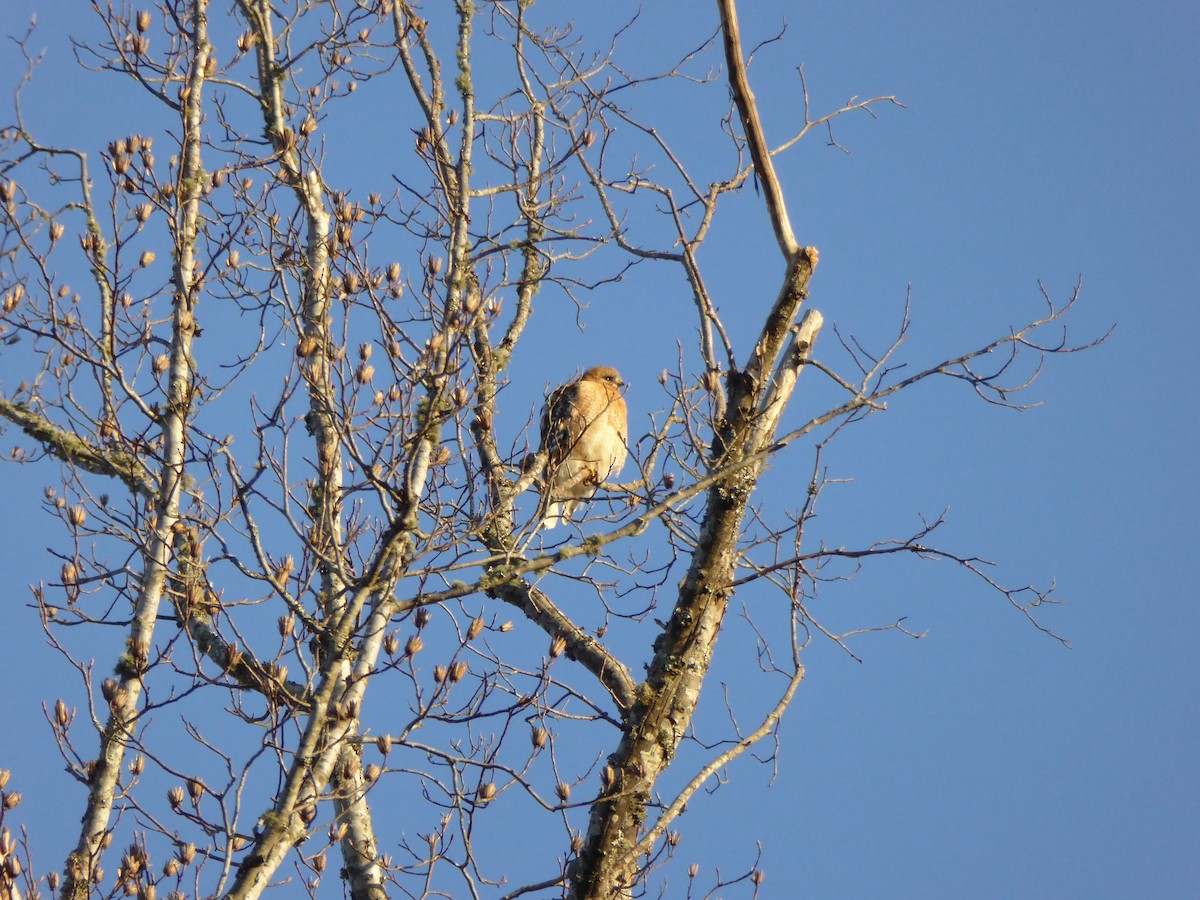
{"points": [[104, 778], [326, 741]]}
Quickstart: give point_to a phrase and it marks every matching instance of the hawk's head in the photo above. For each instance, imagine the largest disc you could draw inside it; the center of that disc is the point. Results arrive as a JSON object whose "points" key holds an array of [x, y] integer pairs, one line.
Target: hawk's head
{"points": [[604, 374]]}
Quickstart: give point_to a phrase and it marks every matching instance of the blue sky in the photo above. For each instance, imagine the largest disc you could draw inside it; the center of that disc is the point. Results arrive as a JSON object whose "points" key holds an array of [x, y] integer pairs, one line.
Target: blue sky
{"points": [[1040, 142]]}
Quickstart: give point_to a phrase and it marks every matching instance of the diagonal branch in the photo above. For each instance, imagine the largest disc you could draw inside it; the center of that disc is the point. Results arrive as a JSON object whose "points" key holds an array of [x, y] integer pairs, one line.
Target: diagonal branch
{"points": [[70, 448], [679, 804], [760, 152], [581, 646]]}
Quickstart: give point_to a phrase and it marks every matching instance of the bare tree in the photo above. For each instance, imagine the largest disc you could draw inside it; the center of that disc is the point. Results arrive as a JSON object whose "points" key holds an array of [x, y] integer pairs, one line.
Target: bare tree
{"points": [[287, 476]]}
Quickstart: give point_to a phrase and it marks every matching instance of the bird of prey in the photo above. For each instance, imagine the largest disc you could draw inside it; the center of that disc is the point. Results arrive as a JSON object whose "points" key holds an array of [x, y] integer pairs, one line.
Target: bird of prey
{"points": [[584, 437]]}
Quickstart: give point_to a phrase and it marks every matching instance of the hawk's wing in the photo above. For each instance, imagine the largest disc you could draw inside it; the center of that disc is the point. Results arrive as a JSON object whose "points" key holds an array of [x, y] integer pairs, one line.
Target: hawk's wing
{"points": [[563, 423]]}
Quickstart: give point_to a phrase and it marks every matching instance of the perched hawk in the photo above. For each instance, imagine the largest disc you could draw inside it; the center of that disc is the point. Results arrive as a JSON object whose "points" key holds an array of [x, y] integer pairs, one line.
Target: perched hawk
{"points": [[584, 435]]}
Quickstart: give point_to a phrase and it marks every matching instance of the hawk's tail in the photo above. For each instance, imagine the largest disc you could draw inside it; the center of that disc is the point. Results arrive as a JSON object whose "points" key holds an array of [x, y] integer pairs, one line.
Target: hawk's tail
{"points": [[557, 512]]}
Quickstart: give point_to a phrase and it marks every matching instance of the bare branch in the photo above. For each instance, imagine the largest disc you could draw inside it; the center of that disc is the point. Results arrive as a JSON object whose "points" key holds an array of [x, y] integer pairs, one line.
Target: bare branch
{"points": [[739, 83]]}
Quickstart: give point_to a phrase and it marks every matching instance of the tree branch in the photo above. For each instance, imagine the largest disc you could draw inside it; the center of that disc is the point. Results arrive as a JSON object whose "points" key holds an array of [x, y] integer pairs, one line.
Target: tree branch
{"points": [[760, 151], [73, 450]]}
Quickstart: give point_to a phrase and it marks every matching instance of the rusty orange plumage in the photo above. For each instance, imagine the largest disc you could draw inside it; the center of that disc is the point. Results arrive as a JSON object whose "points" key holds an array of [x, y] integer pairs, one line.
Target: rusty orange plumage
{"points": [[585, 436]]}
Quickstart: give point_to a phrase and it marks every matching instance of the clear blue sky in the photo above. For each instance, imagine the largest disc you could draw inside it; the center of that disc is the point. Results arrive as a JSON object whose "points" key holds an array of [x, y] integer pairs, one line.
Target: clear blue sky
{"points": [[1041, 141]]}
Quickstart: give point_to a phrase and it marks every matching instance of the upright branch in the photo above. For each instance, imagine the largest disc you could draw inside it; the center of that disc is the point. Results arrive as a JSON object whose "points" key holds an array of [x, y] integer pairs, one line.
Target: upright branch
{"points": [[324, 740], [760, 152], [316, 342], [122, 722], [608, 865]]}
